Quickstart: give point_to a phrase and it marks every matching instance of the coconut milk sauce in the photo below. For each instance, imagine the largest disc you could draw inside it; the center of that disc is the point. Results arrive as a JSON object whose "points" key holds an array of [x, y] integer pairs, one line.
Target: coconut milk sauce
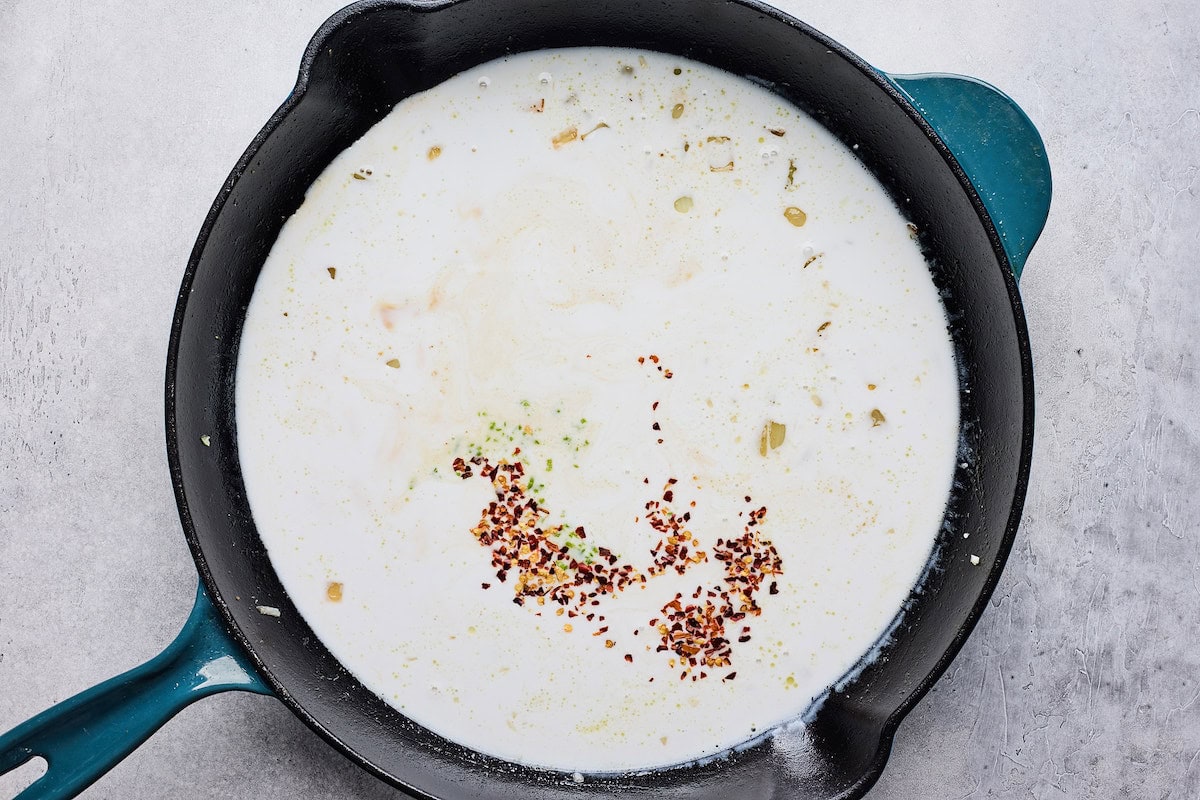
{"points": [[661, 291]]}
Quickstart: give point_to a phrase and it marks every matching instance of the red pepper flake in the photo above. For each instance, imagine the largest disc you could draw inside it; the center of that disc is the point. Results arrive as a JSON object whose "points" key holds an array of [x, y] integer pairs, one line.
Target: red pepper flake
{"points": [[548, 567], [730, 676], [655, 406], [656, 427]]}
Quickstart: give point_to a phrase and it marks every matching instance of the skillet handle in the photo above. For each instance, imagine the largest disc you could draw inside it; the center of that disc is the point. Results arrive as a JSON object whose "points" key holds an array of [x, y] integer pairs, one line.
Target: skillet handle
{"points": [[998, 148], [85, 736]]}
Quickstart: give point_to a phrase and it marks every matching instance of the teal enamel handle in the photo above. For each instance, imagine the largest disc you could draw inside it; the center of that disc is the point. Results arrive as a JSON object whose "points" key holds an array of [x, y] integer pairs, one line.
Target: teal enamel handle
{"points": [[998, 148], [85, 736]]}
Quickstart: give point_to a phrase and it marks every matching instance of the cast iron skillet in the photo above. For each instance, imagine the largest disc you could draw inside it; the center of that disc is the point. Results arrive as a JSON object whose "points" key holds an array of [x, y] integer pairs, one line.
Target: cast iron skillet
{"points": [[961, 160]]}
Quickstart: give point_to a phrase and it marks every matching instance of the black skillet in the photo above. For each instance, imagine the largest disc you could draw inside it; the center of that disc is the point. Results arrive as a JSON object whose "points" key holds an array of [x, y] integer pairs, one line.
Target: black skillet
{"points": [[961, 160]]}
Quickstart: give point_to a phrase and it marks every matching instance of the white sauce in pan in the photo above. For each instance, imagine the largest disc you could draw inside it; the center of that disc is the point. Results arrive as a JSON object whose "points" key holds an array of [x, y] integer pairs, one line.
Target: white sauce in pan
{"points": [[683, 344]]}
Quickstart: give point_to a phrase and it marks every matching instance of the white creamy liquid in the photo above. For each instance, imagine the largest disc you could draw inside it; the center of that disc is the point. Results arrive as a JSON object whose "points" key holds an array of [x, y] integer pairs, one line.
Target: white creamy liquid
{"points": [[491, 272]]}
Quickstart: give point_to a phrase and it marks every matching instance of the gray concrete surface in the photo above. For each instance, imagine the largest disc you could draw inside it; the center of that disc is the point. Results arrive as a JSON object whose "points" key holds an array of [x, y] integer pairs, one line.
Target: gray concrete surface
{"points": [[119, 123]]}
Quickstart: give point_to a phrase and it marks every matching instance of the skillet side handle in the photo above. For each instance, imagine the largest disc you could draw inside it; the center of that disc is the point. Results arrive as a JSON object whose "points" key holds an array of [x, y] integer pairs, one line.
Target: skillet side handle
{"points": [[85, 736], [998, 148]]}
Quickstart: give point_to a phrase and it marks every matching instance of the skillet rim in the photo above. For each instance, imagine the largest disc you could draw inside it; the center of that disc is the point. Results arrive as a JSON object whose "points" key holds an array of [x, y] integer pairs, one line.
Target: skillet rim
{"points": [[316, 45]]}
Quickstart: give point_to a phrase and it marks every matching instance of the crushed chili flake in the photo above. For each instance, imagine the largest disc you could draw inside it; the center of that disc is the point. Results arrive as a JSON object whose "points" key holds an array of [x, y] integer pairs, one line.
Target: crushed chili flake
{"points": [[549, 563]]}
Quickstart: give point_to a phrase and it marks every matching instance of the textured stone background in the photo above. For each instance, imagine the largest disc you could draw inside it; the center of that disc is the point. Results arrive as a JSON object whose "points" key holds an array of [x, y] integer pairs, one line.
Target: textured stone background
{"points": [[121, 120]]}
